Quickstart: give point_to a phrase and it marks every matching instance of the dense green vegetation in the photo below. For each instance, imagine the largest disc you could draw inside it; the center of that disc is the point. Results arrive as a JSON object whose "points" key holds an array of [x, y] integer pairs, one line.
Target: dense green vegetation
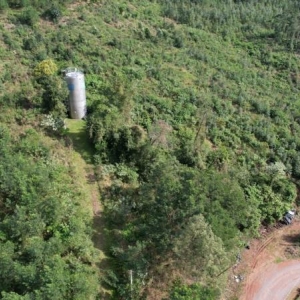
{"points": [[45, 246], [193, 112]]}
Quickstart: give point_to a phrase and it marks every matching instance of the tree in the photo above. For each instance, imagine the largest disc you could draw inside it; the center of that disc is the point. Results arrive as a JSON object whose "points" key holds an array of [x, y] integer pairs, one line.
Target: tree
{"points": [[159, 134], [44, 243], [198, 252], [54, 96], [276, 171]]}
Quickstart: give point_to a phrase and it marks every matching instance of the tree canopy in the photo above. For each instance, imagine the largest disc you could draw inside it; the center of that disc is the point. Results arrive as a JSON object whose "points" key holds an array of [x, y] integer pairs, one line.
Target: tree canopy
{"points": [[193, 116]]}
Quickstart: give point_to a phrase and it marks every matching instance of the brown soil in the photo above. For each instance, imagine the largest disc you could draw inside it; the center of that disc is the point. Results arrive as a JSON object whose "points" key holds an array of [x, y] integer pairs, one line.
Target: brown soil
{"points": [[271, 267]]}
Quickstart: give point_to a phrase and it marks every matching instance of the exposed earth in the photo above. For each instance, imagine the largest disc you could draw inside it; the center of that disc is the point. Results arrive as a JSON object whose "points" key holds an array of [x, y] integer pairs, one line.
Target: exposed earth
{"points": [[270, 269], [276, 282]]}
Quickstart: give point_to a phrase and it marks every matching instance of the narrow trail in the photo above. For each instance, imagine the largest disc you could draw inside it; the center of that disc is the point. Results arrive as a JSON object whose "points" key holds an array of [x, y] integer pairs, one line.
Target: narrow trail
{"points": [[82, 153]]}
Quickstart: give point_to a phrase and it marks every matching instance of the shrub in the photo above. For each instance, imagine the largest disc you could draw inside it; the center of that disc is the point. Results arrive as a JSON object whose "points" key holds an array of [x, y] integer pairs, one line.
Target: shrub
{"points": [[52, 14], [30, 43], [17, 3], [29, 16], [54, 124], [193, 291], [45, 68], [178, 42]]}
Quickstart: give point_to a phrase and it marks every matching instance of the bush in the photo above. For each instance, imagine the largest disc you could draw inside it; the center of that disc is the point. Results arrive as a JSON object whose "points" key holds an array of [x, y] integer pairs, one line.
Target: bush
{"points": [[178, 42], [54, 124], [29, 16], [45, 68], [52, 14], [17, 3], [191, 292], [30, 43]]}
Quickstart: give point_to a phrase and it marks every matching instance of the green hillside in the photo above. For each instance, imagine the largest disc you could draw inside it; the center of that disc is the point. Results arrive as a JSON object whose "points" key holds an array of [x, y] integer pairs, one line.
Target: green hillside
{"points": [[193, 128]]}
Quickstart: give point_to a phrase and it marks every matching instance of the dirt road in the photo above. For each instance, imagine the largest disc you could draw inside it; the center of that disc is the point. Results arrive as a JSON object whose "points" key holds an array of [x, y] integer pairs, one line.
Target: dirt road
{"points": [[276, 282], [271, 267]]}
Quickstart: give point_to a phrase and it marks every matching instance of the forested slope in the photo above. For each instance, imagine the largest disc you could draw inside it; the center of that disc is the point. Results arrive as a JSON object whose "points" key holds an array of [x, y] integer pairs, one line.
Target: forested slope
{"points": [[194, 114], [46, 250]]}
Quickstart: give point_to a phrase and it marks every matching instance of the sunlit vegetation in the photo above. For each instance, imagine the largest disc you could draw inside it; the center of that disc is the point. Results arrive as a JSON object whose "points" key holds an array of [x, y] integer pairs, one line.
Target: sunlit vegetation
{"points": [[45, 246], [194, 119]]}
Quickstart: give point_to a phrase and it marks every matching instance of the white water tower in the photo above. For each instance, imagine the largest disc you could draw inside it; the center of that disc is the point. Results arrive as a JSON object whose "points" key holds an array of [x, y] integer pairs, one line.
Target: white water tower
{"points": [[76, 87]]}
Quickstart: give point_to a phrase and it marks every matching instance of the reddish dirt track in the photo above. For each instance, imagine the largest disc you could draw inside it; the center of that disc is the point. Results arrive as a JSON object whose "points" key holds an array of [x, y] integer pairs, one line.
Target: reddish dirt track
{"points": [[270, 271], [276, 282]]}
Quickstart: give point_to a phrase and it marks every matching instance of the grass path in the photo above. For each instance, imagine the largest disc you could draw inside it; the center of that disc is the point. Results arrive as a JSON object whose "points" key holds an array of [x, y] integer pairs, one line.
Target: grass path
{"points": [[83, 161]]}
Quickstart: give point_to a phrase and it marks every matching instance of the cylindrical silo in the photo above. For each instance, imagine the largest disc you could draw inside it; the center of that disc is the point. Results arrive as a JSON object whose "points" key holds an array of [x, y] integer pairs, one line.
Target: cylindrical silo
{"points": [[77, 98]]}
